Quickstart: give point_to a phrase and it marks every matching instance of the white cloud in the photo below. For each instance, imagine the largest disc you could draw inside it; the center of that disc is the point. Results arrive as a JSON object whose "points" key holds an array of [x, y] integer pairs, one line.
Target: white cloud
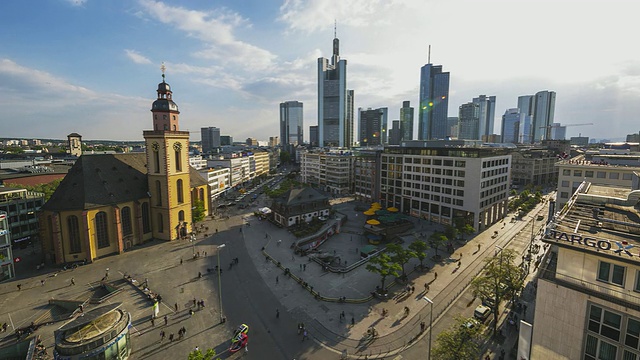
{"points": [[136, 57], [77, 2]]}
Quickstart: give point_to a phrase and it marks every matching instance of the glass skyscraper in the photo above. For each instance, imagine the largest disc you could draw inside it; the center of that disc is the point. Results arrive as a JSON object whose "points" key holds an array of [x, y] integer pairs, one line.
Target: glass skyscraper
{"points": [[291, 123], [434, 103], [406, 121]]}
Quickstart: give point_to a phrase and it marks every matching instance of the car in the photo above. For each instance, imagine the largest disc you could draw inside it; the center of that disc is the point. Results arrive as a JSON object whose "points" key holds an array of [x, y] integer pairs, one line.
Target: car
{"points": [[471, 323], [482, 312]]}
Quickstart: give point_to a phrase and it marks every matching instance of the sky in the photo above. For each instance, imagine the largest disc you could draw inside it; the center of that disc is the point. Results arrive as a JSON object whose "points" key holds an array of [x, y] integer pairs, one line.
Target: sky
{"points": [[92, 66]]}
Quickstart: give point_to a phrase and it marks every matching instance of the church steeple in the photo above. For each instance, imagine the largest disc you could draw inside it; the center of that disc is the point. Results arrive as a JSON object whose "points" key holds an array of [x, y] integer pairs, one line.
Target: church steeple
{"points": [[165, 111]]}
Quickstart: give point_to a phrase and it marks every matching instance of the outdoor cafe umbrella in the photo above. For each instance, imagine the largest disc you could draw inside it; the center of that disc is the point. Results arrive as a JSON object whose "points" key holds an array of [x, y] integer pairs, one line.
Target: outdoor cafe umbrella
{"points": [[392, 209], [369, 212], [373, 222]]}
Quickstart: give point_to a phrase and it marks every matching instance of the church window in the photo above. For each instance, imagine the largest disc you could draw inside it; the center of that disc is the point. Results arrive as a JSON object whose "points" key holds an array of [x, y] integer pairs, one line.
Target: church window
{"points": [[126, 221], [102, 232], [181, 215], [146, 224], [201, 194], [177, 147], [158, 193], [179, 191], [74, 235], [156, 157], [160, 224]]}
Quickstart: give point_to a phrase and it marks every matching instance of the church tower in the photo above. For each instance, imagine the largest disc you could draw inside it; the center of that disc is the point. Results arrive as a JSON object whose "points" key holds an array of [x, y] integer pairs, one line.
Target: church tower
{"points": [[168, 168]]}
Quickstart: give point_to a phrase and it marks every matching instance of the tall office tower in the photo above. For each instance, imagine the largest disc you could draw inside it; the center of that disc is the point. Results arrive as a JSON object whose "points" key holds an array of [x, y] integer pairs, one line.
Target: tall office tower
{"points": [[558, 132], [226, 140], [434, 101], [291, 122], [395, 134], [406, 121], [487, 114], [335, 121], [543, 115], [371, 126], [452, 126], [313, 136], [469, 121], [210, 138], [511, 126]]}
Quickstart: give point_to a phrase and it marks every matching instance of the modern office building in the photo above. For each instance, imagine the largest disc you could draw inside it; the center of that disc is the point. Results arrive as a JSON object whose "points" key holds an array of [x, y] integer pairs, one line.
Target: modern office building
{"points": [[366, 168], [469, 121], [511, 126], [226, 140], [395, 133], [273, 141], [434, 103], [219, 181], [372, 126], [7, 271], [557, 132], [406, 120], [600, 167], [588, 287], [541, 108], [332, 170], [251, 141], [581, 140], [314, 139], [452, 126], [526, 105], [291, 123], [210, 139], [335, 101], [486, 114], [21, 207], [444, 180]]}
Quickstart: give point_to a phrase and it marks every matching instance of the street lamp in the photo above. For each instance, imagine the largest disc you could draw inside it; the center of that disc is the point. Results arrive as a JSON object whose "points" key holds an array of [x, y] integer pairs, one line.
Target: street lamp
{"points": [[430, 322], [219, 283], [498, 297]]}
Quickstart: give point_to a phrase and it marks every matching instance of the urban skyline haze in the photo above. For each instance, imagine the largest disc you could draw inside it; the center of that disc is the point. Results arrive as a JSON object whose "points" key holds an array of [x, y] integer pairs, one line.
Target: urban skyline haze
{"points": [[91, 67]]}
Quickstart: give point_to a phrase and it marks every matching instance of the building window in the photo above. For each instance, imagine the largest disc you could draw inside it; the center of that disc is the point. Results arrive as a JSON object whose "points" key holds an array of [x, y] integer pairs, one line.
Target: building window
{"points": [[156, 157], [627, 176], [177, 149], [566, 172], [158, 193], [637, 285], [588, 174], [146, 224], [160, 224], [607, 335], [565, 183], [126, 221], [564, 195], [74, 235], [102, 231], [614, 175], [611, 273], [179, 191], [601, 175], [181, 216]]}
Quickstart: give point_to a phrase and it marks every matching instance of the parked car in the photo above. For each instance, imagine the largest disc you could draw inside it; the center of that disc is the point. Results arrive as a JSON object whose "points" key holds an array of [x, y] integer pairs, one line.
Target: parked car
{"points": [[471, 323], [482, 312]]}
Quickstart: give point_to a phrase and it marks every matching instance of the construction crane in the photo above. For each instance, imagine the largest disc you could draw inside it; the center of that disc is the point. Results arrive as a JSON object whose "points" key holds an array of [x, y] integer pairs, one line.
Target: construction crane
{"points": [[557, 125]]}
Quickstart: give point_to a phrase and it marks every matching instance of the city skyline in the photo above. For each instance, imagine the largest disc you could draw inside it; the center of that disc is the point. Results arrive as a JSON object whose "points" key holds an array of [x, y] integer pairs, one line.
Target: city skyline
{"points": [[90, 67]]}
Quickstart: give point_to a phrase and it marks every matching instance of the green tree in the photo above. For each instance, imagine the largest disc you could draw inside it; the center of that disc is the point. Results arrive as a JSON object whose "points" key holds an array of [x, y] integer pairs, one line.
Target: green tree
{"points": [[383, 266], [47, 189], [464, 228], [500, 279], [198, 213], [460, 341], [400, 255], [198, 355], [436, 240], [419, 247], [285, 157], [450, 232], [13, 150]]}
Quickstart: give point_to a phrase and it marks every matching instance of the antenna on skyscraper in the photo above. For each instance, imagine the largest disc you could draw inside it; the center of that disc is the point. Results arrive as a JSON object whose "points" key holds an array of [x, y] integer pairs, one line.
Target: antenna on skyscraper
{"points": [[429, 56], [335, 28]]}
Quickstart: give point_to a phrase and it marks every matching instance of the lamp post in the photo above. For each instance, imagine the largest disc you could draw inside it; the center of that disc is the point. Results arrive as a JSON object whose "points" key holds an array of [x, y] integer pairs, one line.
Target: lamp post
{"points": [[498, 297], [430, 322], [219, 283]]}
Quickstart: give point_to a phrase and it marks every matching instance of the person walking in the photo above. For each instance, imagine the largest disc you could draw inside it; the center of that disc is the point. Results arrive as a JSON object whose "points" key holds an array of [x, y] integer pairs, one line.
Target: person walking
{"points": [[162, 335], [305, 335], [175, 306], [153, 321], [166, 320], [277, 314], [171, 337], [435, 276], [276, 280], [73, 282], [42, 282]]}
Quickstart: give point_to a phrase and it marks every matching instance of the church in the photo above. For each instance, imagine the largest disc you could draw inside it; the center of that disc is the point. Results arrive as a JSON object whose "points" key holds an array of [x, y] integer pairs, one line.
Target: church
{"points": [[108, 203]]}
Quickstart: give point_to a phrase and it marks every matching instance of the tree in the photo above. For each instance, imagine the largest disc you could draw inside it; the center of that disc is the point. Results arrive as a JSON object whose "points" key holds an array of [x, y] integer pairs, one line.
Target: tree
{"points": [[419, 248], [47, 189], [400, 255], [460, 341], [198, 213], [464, 228], [383, 266], [501, 279], [198, 355], [450, 232], [285, 157], [436, 240]]}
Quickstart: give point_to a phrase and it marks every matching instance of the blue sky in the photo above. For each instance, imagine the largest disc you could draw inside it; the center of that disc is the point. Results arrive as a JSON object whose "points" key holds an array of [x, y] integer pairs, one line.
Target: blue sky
{"points": [[92, 67]]}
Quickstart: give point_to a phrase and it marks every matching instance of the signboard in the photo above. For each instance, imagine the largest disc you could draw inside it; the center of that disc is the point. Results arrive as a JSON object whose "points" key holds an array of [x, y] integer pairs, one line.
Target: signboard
{"points": [[524, 340], [25, 238], [616, 247]]}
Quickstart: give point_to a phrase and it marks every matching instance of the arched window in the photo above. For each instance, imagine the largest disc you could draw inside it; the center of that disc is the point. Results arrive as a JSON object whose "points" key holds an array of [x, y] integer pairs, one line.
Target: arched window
{"points": [[156, 157], [160, 224], [158, 193], [146, 224], [74, 235], [179, 191], [177, 149], [181, 215], [102, 231], [126, 221]]}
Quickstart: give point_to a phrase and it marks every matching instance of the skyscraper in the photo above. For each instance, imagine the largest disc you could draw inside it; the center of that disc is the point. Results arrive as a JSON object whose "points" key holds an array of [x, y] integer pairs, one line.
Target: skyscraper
{"points": [[543, 115], [468, 121], [371, 126], [406, 121], [434, 101], [452, 125], [335, 101], [291, 123], [210, 138], [313, 136], [511, 126], [395, 133], [487, 113]]}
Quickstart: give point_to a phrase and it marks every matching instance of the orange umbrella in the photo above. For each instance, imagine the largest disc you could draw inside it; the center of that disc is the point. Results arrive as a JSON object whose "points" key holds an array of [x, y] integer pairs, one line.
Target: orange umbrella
{"points": [[373, 222], [392, 209]]}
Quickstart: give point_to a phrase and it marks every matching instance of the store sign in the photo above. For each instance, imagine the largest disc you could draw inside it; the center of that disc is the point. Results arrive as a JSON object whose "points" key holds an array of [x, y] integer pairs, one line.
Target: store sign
{"points": [[22, 239], [617, 247]]}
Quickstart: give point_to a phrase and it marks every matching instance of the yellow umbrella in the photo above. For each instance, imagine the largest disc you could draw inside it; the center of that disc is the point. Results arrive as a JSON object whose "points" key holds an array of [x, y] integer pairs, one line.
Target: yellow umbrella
{"points": [[392, 209], [376, 204], [373, 222], [369, 212]]}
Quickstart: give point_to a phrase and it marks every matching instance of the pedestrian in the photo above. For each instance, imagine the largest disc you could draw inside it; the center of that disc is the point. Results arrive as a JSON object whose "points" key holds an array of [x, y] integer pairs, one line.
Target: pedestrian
{"points": [[205, 254], [459, 263], [171, 337], [353, 321], [162, 335], [277, 314], [299, 328], [300, 269], [279, 242], [153, 321], [436, 276], [460, 256], [304, 267], [413, 289], [73, 282], [199, 275], [166, 319], [180, 261], [305, 335], [176, 306], [191, 312], [202, 303], [197, 349], [198, 305], [276, 280], [246, 348], [42, 282], [194, 301], [478, 247], [19, 287]]}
